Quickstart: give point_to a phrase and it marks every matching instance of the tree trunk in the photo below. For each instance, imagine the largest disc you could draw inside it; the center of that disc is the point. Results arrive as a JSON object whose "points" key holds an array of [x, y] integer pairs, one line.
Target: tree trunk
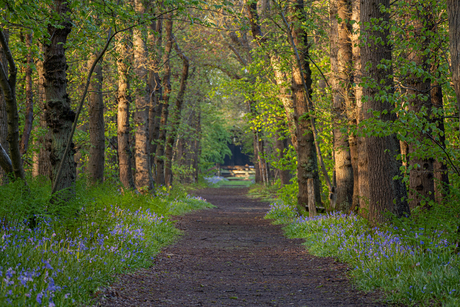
{"points": [[155, 87], [384, 193], [307, 165], [29, 99], [281, 146], [355, 114], [124, 151], [59, 116], [341, 64], [3, 121], [175, 118], [159, 155], [42, 163], [453, 12], [141, 115], [421, 183], [96, 126]]}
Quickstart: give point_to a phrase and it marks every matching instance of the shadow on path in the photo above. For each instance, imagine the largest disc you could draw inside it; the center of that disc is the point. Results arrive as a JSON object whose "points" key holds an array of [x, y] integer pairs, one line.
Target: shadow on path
{"points": [[231, 256]]}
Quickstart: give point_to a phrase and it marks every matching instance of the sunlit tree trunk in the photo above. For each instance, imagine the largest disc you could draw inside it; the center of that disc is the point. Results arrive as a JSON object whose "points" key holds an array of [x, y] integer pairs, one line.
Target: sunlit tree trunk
{"points": [[96, 126], [124, 151], [142, 101], [385, 194], [159, 155], [341, 64], [58, 113], [307, 166], [453, 11]]}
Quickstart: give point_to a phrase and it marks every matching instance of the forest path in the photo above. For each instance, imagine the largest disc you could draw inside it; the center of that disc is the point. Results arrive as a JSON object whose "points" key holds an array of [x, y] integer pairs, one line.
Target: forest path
{"points": [[232, 256]]}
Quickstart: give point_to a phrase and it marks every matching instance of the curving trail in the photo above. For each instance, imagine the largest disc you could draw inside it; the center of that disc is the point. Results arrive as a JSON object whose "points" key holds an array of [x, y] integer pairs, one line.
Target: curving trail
{"points": [[231, 256]]}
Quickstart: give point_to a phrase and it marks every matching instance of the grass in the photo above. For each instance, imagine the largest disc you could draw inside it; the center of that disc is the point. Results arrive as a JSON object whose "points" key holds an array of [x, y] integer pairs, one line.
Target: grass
{"points": [[229, 182], [415, 261], [78, 247]]}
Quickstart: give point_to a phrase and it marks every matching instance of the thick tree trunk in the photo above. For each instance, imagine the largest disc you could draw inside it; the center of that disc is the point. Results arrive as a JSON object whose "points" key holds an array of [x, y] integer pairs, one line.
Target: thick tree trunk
{"points": [[384, 193], [453, 11], [58, 113], [175, 118], [124, 151], [307, 165], [341, 64], [160, 153], [96, 126], [421, 183], [142, 101]]}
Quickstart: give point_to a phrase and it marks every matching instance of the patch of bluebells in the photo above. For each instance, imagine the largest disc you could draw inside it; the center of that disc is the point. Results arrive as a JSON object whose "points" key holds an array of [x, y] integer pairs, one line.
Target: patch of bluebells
{"points": [[215, 179], [41, 267], [413, 265]]}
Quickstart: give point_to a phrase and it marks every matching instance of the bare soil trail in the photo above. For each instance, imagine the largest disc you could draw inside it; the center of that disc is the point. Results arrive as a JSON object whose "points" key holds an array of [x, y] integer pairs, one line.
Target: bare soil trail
{"points": [[232, 256]]}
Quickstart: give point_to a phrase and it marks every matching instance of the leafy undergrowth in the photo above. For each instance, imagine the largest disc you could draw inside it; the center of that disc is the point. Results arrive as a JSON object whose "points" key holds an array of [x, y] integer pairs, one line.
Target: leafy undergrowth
{"points": [[78, 247], [415, 261]]}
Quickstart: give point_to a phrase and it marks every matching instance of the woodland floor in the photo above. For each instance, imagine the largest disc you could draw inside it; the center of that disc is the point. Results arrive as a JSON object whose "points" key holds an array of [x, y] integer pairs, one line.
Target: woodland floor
{"points": [[232, 256]]}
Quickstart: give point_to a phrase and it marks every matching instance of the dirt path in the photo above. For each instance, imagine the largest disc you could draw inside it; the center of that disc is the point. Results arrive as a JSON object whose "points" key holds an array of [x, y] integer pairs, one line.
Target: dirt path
{"points": [[231, 256]]}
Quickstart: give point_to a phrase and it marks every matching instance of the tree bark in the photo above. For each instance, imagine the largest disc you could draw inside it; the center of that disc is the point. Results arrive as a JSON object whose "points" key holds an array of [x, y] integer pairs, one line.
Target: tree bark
{"points": [[175, 118], [421, 183], [159, 155], [341, 64], [384, 193], [307, 165], [42, 163], [142, 101], [96, 126], [3, 120], [357, 151], [281, 146], [124, 151], [58, 113], [453, 12], [155, 87], [29, 99]]}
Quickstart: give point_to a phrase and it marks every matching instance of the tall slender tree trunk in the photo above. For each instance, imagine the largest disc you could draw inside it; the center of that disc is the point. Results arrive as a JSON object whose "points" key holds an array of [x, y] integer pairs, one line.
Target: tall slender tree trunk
{"points": [[421, 183], [24, 146], [155, 87], [3, 120], [160, 153], [142, 100], [42, 163], [341, 63], [175, 118], [281, 146], [384, 193], [96, 126], [453, 12], [124, 151], [58, 113], [355, 115]]}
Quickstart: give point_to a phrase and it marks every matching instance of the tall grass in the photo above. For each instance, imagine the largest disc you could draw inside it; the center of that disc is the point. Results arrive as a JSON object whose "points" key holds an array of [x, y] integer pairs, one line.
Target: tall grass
{"points": [[77, 247]]}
